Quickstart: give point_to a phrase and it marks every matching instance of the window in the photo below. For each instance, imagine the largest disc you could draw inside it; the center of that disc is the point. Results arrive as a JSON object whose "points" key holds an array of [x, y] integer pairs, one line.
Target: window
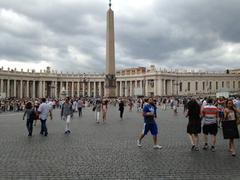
{"points": [[234, 86], [203, 85], [180, 87], [216, 85], [222, 84], [210, 85], [228, 84], [189, 84], [196, 86]]}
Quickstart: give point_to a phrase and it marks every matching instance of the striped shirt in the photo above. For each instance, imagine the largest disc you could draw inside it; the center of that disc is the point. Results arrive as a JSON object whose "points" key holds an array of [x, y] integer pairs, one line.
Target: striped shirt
{"points": [[209, 113]]}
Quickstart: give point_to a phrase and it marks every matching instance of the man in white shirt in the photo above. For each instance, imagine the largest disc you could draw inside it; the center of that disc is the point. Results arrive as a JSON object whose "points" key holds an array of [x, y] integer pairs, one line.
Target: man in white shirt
{"points": [[43, 111]]}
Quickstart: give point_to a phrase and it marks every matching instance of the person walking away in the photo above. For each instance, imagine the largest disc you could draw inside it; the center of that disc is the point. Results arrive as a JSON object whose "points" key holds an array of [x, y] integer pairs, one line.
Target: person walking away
{"points": [[80, 106], [121, 108], [97, 110], [210, 115], [104, 110], [164, 104], [220, 105], [31, 114], [67, 114], [149, 124], [229, 126], [194, 123], [43, 110]]}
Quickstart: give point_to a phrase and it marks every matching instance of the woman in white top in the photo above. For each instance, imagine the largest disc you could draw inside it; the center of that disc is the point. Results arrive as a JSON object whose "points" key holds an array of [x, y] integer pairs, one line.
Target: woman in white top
{"points": [[230, 130]]}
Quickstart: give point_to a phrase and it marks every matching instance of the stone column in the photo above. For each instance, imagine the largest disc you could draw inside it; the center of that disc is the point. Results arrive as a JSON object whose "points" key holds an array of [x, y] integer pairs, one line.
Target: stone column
{"points": [[61, 86], [34, 89], [83, 89], [164, 87], [21, 88], [44, 89], [94, 89], [27, 89], [67, 92], [40, 89], [126, 89], [1, 89], [135, 84], [14, 88], [160, 87], [78, 89], [116, 90], [131, 88], [171, 87], [100, 88], [72, 88], [56, 88], [120, 89], [146, 87], [155, 87], [8, 88], [89, 89]]}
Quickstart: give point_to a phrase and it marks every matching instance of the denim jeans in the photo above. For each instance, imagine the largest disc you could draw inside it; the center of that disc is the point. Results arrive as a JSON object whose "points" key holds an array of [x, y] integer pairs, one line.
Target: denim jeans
{"points": [[43, 126], [29, 125]]}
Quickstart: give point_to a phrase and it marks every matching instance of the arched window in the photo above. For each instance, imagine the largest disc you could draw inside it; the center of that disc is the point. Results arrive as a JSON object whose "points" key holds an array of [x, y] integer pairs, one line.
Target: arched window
{"points": [[180, 87]]}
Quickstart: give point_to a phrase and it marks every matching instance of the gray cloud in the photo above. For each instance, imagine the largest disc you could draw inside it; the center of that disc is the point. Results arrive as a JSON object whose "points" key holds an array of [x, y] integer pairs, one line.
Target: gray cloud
{"points": [[70, 35]]}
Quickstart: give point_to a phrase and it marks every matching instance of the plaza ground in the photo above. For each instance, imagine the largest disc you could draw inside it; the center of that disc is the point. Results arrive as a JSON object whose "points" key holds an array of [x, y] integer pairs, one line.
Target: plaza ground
{"points": [[109, 151]]}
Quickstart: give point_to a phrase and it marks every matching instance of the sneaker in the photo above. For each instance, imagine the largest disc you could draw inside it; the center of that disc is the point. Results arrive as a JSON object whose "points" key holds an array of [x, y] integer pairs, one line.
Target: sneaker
{"points": [[157, 147], [69, 131], [205, 147], [196, 148], [212, 148], [139, 143], [193, 147], [65, 132]]}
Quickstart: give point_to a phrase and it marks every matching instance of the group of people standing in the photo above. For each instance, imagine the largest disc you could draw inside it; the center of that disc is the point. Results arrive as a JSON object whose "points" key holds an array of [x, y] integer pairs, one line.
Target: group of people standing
{"points": [[208, 118]]}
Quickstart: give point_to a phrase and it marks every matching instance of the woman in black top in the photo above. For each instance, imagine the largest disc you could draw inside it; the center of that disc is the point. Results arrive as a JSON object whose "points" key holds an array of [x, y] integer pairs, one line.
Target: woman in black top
{"points": [[194, 123], [121, 108], [30, 112]]}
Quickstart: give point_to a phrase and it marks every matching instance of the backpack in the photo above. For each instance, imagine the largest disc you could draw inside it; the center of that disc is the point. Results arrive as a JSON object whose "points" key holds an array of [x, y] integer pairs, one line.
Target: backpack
{"points": [[34, 115]]}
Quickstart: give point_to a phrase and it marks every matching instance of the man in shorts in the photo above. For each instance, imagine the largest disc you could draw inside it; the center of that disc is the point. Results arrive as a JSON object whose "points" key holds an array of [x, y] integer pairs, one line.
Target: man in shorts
{"points": [[149, 114], [210, 116]]}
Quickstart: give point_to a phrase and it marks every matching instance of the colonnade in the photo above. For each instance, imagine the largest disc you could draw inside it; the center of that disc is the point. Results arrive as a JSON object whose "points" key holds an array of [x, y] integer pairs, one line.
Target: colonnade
{"points": [[50, 88], [92, 88], [147, 87]]}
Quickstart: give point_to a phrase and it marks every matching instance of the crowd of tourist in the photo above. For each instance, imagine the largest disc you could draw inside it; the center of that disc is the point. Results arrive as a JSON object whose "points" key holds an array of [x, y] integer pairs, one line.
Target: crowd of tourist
{"points": [[205, 115]]}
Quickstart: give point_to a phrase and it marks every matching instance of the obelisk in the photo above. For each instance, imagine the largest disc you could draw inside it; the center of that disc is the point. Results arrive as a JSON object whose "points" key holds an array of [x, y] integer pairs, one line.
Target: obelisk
{"points": [[110, 78]]}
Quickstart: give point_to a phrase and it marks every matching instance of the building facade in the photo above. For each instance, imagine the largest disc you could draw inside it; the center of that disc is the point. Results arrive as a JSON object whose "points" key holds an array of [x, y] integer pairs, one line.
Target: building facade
{"points": [[139, 81]]}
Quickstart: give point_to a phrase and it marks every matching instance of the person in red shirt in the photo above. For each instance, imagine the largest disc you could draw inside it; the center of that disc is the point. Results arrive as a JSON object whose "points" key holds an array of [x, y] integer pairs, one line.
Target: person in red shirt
{"points": [[210, 115]]}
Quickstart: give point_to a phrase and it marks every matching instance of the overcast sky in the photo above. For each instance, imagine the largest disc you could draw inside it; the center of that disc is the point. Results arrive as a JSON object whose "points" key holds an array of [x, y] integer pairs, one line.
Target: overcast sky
{"points": [[69, 35]]}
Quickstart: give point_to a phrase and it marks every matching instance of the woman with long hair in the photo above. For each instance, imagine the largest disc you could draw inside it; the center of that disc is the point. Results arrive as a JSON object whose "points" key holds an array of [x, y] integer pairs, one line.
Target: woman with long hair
{"points": [[229, 125], [30, 112], [194, 123]]}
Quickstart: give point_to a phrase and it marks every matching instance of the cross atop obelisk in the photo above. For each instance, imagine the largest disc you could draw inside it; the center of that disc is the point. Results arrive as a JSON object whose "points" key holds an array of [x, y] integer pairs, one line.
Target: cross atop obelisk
{"points": [[110, 79], [110, 3]]}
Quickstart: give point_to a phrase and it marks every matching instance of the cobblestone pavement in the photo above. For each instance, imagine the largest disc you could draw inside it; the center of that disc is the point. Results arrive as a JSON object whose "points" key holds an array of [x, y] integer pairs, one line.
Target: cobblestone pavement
{"points": [[109, 151]]}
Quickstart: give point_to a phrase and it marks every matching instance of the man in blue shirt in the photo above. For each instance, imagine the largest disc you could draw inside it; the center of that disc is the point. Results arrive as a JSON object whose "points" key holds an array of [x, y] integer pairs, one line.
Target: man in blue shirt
{"points": [[149, 114]]}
